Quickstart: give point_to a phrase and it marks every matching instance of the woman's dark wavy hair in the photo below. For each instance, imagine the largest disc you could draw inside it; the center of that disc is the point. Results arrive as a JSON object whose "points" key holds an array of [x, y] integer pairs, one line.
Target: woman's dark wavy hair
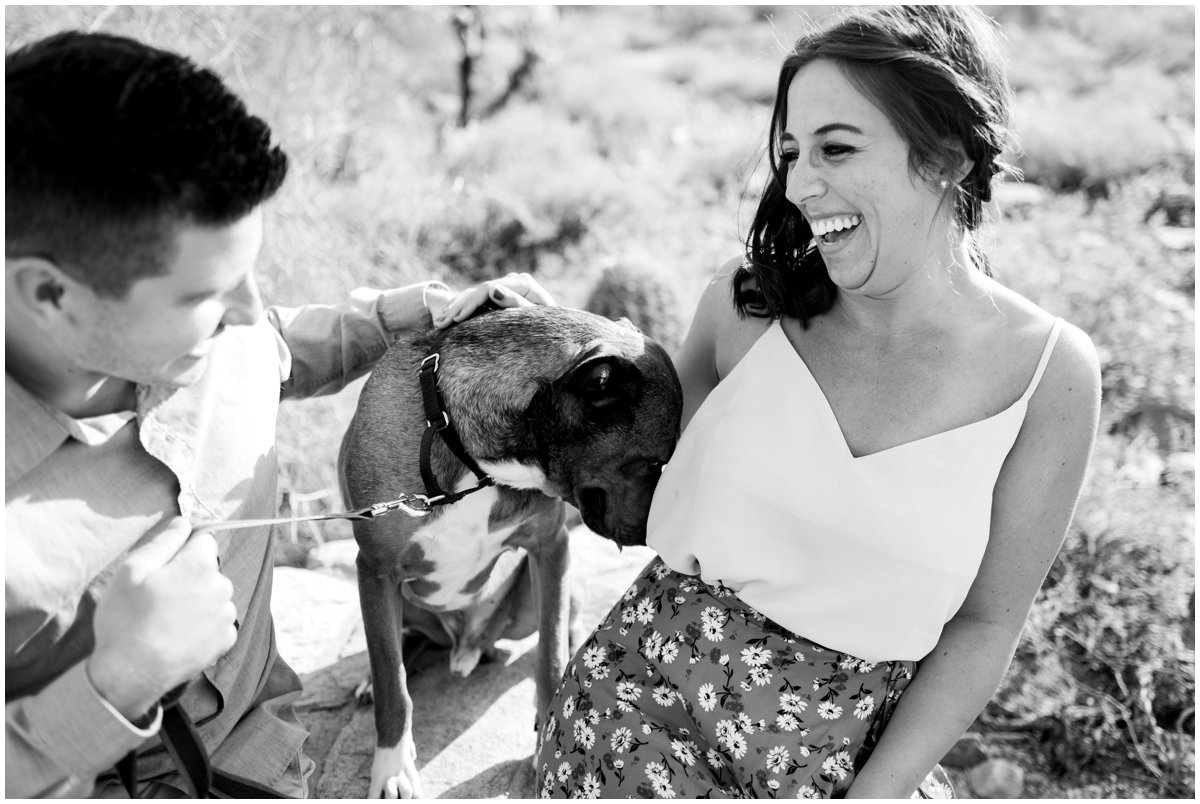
{"points": [[111, 145], [938, 73]]}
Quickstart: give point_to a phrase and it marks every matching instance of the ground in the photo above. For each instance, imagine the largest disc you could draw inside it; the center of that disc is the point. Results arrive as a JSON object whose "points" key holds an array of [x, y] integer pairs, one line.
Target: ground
{"points": [[475, 736]]}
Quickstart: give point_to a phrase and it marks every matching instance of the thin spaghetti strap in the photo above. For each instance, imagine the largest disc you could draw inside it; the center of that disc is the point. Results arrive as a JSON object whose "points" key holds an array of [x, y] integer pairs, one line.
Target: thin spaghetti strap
{"points": [[1037, 375]]}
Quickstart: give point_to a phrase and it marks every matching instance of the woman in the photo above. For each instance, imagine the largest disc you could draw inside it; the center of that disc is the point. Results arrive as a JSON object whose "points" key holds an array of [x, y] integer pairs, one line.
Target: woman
{"points": [[883, 449]]}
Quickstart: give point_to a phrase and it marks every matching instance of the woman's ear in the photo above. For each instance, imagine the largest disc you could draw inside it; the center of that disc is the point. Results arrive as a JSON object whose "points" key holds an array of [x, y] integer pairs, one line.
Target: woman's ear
{"points": [[958, 165]]}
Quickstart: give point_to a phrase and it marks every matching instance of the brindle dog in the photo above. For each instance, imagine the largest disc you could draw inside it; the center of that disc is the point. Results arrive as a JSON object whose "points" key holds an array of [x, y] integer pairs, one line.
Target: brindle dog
{"points": [[555, 404]]}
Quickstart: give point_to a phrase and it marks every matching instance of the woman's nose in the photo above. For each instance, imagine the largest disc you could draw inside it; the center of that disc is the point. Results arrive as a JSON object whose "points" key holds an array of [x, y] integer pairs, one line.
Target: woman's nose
{"points": [[803, 183]]}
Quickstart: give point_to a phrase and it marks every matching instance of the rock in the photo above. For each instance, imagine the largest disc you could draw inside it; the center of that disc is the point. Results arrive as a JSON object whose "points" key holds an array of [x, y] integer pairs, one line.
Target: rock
{"points": [[996, 778], [335, 558], [966, 753], [316, 618]]}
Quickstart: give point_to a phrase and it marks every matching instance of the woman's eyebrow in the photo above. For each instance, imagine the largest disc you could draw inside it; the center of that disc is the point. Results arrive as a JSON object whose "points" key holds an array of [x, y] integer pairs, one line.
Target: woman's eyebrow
{"points": [[787, 138], [829, 127]]}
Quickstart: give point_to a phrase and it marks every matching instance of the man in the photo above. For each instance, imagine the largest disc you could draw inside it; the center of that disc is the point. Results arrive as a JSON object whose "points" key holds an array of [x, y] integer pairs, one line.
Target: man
{"points": [[142, 384]]}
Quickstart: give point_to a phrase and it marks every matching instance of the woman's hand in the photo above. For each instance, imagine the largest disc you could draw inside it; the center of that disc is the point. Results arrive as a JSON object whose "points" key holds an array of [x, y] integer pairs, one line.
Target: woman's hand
{"points": [[512, 290]]}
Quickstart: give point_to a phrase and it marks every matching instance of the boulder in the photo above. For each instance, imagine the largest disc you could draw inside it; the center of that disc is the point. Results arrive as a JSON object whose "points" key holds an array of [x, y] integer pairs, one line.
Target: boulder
{"points": [[334, 558], [996, 778], [966, 753]]}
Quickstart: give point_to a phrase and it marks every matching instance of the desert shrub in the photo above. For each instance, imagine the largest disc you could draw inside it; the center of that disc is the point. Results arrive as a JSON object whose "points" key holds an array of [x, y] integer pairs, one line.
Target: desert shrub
{"points": [[1081, 121], [729, 73], [1111, 277], [1068, 139], [635, 289], [524, 185], [1104, 669], [688, 22], [625, 108]]}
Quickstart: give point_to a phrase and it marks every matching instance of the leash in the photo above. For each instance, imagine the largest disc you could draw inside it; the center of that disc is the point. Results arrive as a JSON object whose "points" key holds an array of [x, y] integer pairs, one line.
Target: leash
{"points": [[178, 733], [187, 751], [437, 423]]}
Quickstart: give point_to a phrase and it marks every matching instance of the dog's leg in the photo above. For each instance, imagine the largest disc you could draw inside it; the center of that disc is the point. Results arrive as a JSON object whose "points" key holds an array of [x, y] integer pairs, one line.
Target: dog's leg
{"points": [[549, 564], [394, 769]]}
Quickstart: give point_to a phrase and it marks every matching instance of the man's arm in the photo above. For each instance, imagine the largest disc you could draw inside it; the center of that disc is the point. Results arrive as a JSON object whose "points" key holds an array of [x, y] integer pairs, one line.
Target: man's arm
{"points": [[57, 741], [167, 614], [332, 345]]}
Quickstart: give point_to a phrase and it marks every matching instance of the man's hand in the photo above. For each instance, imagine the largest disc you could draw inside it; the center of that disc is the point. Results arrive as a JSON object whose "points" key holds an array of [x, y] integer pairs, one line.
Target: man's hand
{"points": [[512, 290], [167, 614]]}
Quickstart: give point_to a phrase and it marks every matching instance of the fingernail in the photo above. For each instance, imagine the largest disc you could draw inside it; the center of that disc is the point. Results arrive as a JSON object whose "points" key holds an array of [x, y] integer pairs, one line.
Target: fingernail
{"points": [[498, 294]]}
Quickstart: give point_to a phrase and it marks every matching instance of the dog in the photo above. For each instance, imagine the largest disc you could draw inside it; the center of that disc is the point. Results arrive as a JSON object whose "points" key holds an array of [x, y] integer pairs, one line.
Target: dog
{"points": [[554, 405]]}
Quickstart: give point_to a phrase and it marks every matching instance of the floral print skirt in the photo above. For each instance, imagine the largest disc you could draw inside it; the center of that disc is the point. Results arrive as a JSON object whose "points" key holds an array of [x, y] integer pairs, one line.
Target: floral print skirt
{"points": [[684, 691]]}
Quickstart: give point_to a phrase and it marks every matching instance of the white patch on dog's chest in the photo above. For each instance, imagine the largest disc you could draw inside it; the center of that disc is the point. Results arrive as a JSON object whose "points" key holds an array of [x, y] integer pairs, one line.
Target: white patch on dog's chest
{"points": [[460, 547], [518, 476]]}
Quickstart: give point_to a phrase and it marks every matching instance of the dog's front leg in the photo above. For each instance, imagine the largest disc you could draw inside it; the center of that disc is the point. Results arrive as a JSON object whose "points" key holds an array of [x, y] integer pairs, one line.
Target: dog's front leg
{"points": [[394, 769], [550, 563]]}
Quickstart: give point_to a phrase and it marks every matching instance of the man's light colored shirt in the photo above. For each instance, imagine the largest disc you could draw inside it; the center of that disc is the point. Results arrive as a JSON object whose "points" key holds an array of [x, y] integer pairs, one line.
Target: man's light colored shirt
{"points": [[79, 494]]}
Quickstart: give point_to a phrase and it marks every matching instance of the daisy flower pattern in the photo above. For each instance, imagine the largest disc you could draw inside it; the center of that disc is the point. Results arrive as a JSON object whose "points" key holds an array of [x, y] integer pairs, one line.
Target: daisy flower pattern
{"points": [[706, 697], [684, 691]]}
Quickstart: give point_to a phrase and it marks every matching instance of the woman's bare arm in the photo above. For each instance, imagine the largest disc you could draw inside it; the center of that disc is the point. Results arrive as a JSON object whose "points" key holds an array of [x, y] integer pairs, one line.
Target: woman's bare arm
{"points": [[1032, 506]]}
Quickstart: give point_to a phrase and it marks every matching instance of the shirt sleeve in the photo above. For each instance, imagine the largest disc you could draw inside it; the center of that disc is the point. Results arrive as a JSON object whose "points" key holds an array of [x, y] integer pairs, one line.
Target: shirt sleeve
{"points": [[330, 346], [57, 741]]}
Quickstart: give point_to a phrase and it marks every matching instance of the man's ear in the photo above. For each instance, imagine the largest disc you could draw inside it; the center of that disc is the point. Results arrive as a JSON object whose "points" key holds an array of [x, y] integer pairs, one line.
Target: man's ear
{"points": [[37, 285]]}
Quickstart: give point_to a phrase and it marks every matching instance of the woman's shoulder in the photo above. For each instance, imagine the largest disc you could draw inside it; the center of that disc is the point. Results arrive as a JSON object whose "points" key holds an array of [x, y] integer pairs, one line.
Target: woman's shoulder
{"points": [[1070, 383], [732, 332]]}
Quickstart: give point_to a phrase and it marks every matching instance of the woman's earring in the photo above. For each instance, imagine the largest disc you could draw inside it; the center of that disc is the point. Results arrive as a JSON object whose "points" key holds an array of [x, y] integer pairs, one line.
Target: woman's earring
{"points": [[944, 184]]}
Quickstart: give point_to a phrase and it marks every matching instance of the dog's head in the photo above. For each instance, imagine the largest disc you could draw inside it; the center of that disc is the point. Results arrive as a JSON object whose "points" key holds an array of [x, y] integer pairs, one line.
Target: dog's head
{"points": [[591, 404], [606, 425]]}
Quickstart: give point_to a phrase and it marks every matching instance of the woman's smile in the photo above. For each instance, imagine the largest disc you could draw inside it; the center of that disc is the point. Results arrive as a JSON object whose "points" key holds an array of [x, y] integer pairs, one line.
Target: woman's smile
{"points": [[834, 230]]}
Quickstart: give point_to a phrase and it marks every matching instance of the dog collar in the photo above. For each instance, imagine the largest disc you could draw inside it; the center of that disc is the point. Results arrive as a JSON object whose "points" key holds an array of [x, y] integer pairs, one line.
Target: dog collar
{"points": [[438, 422]]}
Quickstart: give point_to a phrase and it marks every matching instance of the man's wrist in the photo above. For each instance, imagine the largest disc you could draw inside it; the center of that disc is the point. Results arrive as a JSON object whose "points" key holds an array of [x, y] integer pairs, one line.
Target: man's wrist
{"points": [[123, 690]]}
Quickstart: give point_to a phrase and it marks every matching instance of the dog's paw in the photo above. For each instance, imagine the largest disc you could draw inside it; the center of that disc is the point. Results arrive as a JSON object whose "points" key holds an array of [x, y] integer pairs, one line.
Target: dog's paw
{"points": [[394, 772], [364, 693]]}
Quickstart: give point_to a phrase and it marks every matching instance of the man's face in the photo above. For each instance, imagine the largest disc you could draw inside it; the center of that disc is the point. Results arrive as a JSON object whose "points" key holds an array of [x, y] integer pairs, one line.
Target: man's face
{"points": [[161, 331]]}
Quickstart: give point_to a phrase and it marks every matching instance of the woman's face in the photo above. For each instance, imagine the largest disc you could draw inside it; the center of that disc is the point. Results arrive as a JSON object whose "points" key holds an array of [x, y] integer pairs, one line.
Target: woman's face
{"points": [[848, 174]]}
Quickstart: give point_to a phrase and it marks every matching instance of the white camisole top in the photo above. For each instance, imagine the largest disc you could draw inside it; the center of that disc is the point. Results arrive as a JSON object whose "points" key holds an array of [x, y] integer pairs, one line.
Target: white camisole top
{"points": [[869, 556]]}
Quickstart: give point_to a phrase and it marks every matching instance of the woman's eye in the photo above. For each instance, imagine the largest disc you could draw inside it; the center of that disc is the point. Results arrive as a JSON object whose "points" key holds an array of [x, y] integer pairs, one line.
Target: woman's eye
{"points": [[787, 157], [833, 149]]}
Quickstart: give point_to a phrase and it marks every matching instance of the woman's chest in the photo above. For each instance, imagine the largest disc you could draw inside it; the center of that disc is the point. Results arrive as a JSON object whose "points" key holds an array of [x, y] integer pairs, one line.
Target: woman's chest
{"points": [[881, 396]]}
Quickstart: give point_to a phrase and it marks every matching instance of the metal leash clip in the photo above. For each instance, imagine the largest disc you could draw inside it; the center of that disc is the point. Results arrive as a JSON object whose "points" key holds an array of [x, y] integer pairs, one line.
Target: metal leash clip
{"points": [[415, 505]]}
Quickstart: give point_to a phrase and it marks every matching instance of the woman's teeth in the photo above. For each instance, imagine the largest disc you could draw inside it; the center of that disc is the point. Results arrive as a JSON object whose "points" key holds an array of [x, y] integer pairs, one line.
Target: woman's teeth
{"points": [[829, 229]]}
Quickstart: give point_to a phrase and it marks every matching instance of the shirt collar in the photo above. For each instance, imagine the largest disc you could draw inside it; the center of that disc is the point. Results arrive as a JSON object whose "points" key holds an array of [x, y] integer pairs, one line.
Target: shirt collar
{"points": [[34, 430], [31, 431]]}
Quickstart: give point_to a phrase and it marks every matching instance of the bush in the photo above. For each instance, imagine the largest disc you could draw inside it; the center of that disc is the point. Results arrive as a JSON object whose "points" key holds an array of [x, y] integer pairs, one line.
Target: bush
{"points": [[1105, 673], [635, 290], [1105, 669], [524, 185]]}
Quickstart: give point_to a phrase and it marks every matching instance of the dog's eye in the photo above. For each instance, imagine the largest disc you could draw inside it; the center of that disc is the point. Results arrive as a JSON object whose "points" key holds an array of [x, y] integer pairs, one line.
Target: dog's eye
{"points": [[641, 467]]}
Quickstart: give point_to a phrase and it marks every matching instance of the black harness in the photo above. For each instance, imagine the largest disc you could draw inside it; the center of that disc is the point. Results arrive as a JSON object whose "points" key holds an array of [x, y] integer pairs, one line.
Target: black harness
{"points": [[438, 422]]}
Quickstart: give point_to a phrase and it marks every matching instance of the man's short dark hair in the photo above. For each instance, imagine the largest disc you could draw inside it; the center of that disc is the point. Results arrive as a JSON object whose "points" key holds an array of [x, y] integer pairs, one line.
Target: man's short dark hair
{"points": [[112, 145]]}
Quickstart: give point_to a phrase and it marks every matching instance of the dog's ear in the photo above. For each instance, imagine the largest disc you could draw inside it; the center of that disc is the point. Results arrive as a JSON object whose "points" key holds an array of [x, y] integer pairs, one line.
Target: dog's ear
{"points": [[605, 381]]}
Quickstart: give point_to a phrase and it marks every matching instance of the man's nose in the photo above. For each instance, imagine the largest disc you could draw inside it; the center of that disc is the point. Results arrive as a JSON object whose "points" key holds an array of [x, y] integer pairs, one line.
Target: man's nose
{"points": [[243, 306]]}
